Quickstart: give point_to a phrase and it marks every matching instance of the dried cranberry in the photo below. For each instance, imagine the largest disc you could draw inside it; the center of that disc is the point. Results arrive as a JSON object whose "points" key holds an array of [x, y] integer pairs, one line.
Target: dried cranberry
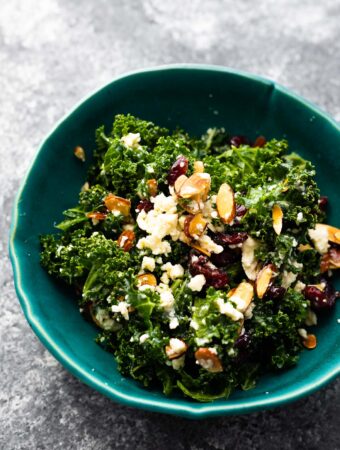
{"points": [[144, 205], [240, 210], [231, 239], [179, 167], [236, 141], [323, 202], [275, 292], [224, 258], [201, 265], [320, 300], [243, 341], [260, 141]]}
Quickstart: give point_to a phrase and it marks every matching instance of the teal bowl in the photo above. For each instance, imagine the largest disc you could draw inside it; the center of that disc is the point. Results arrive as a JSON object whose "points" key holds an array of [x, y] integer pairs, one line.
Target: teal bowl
{"points": [[193, 97]]}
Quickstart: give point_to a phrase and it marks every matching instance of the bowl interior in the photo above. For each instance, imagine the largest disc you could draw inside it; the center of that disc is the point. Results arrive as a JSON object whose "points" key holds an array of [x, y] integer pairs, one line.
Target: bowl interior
{"points": [[193, 98]]}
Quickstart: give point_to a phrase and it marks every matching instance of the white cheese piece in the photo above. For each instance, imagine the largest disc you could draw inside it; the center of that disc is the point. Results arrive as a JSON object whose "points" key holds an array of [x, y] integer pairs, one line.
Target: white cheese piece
{"points": [[143, 338], [173, 270], [197, 282], [121, 308], [194, 324], [249, 261], [228, 309], [311, 318], [131, 140], [167, 300], [303, 333], [299, 217], [148, 263], [299, 287], [206, 243], [288, 278], [173, 323], [104, 319], [319, 236], [248, 314]]}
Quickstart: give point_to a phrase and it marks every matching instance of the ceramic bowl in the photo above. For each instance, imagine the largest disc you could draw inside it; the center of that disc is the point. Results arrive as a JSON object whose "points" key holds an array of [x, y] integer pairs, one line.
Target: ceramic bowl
{"points": [[194, 98]]}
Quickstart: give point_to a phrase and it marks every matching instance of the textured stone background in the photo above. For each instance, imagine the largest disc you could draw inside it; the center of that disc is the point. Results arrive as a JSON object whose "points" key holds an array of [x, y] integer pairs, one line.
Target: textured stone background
{"points": [[52, 52]]}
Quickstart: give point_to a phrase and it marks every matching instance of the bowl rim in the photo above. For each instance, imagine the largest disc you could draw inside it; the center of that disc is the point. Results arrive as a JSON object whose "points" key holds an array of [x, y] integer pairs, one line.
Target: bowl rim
{"points": [[197, 410]]}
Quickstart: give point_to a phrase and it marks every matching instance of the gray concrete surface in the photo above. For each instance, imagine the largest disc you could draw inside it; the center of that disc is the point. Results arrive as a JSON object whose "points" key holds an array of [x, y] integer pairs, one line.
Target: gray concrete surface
{"points": [[52, 52]]}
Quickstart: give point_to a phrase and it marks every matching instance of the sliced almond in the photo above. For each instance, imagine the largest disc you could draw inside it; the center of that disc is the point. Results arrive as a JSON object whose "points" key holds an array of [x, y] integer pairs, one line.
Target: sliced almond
{"points": [[331, 260], [200, 249], [179, 182], [333, 232], [152, 187], [176, 348], [126, 240], [310, 341], [147, 278], [225, 203], [208, 359], [191, 206], [277, 216], [197, 184], [304, 247], [242, 295], [119, 204], [197, 226], [96, 215], [263, 279], [79, 153], [198, 167]]}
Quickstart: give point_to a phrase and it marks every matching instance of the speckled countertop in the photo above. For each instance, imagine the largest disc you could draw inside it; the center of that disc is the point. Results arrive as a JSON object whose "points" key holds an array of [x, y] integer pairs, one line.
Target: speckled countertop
{"points": [[53, 52]]}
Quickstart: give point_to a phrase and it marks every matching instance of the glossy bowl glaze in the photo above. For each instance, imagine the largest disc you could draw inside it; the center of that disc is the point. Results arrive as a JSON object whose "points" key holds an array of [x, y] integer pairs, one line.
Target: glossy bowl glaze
{"points": [[194, 98]]}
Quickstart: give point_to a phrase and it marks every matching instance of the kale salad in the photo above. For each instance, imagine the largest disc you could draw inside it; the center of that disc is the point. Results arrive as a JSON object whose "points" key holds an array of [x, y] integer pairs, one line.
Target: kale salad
{"points": [[202, 261]]}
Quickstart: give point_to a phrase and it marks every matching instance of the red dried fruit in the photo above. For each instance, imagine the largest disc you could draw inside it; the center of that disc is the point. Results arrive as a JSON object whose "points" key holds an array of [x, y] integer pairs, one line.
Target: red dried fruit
{"points": [[323, 202], [320, 299], [230, 239], [179, 167], [237, 141], [201, 265], [240, 210], [225, 258], [144, 205], [274, 293]]}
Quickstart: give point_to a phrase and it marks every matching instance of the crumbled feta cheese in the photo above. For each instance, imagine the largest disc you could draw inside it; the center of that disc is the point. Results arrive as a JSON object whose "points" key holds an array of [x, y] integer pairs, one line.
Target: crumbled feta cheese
{"points": [[156, 245], [131, 140], [299, 217], [299, 287], [121, 308], [178, 363], [167, 300], [165, 278], [249, 262], [319, 236], [228, 309], [173, 323], [206, 243], [163, 204], [201, 341], [173, 271], [146, 287], [197, 282], [288, 278], [143, 338], [148, 263]]}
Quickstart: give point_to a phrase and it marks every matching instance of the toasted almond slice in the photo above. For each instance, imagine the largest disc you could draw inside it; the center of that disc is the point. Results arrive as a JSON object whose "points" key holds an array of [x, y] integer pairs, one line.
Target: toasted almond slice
{"points": [[192, 206], [333, 232], [79, 153], [208, 359], [263, 279], [147, 278], [197, 184], [152, 187], [126, 240], [225, 203], [242, 295], [197, 226], [120, 204], [277, 216], [179, 182], [198, 167], [176, 348], [200, 249], [96, 215], [304, 247], [310, 342]]}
